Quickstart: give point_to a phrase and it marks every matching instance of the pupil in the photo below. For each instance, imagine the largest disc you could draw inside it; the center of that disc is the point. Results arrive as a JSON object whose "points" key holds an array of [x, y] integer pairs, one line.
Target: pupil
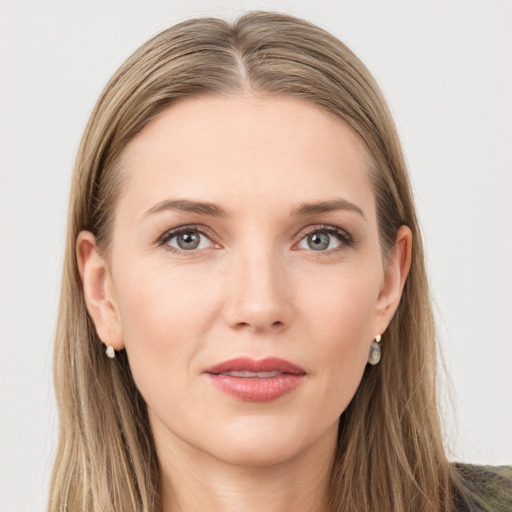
{"points": [[318, 241], [188, 240]]}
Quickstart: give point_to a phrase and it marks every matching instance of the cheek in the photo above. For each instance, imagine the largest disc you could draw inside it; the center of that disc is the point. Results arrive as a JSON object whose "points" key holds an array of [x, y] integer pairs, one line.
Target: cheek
{"points": [[164, 317], [342, 304], [340, 318], [157, 302]]}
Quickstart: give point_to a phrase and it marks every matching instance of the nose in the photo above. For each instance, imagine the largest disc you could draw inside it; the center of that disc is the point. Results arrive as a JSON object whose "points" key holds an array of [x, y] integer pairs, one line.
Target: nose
{"points": [[258, 293]]}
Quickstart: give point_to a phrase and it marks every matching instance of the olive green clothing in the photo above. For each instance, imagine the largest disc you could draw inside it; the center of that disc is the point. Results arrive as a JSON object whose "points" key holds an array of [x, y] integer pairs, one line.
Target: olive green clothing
{"points": [[490, 488]]}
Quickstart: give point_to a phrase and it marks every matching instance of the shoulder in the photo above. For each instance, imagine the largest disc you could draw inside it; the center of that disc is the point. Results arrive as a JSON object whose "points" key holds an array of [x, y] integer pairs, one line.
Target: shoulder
{"points": [[489, 488]]}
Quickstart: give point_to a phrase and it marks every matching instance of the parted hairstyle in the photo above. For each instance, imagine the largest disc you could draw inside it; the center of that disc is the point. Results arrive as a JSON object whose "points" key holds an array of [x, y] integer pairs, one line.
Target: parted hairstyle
{"points": [[390, 454]]}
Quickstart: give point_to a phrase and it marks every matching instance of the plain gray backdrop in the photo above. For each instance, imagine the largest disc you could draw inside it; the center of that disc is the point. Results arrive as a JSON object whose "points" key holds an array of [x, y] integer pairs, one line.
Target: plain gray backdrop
{"points": [[445, 68]]}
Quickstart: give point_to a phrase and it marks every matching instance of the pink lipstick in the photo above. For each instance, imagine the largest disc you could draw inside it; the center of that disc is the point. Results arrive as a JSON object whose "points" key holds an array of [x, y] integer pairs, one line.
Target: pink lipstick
{"points": [[256, 381]]}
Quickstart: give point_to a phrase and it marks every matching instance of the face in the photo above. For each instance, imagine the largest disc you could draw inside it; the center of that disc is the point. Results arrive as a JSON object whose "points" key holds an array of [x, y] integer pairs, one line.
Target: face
{"points": [[245, 278]]}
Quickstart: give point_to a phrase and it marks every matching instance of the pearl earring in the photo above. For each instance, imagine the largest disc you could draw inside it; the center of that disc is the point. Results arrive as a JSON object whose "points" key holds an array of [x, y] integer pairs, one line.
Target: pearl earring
{"points": [[374, 356], [111, 353]]}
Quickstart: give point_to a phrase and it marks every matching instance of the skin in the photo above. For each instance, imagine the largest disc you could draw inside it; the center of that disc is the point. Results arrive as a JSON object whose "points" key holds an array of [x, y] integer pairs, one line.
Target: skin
{"points": [[254, 287]]}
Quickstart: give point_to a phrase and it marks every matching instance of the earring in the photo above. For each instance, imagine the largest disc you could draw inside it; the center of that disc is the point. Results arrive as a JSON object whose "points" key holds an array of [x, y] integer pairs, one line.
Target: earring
{"points": [[374, 356], [111, 353]]}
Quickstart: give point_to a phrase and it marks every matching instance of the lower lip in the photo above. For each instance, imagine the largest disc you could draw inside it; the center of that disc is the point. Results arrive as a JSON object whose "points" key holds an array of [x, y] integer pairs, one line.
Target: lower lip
{"points": [[256, 389]]}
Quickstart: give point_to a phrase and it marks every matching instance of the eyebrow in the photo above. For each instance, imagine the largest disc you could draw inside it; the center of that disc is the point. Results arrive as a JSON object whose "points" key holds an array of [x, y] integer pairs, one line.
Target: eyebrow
{"points": [[186, 205], [214, 210], [326, 206]]}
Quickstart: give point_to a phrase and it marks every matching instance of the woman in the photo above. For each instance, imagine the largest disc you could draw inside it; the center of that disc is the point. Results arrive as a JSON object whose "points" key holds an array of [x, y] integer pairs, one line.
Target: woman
{"points": [[245, 319]]}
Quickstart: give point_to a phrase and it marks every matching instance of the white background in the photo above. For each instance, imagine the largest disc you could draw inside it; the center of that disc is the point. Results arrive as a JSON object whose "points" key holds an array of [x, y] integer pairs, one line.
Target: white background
{"points": [[445, 67]]}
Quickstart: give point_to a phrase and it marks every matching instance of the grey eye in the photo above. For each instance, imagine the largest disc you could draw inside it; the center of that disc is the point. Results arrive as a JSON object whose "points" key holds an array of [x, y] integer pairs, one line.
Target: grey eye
{"points": [[318, 241], [321, 240], [189, 241]]}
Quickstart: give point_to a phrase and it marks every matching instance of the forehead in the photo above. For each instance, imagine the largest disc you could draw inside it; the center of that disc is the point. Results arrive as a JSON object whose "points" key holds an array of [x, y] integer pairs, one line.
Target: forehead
{"points": [[229, 149]]}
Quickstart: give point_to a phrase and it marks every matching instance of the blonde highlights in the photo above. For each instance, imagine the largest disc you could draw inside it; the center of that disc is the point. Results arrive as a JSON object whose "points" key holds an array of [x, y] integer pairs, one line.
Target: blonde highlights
{"points": [[390, 454]]}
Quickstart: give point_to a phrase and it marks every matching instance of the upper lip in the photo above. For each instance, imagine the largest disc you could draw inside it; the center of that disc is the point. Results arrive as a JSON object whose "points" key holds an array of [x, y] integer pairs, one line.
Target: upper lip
{"points": [[269, 364]]}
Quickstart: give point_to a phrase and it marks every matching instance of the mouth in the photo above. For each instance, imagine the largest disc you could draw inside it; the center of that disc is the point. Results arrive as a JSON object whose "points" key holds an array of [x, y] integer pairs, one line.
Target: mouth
{"points": [[252, 375], [256, 380]]}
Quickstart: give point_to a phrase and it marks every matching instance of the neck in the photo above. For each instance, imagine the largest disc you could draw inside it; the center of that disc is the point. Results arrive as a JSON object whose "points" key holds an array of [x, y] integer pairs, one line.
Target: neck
{"points": [[206, 483]]}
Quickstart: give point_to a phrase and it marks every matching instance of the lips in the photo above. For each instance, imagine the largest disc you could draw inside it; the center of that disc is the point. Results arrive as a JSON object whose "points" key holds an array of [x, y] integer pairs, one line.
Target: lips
{"points": [[252, 375], [256, 381]]}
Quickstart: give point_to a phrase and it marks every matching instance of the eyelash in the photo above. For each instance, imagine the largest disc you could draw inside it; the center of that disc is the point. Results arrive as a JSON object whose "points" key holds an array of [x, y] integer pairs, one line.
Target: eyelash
{"points": [[345, 238], [347, 241], [190, 228]]}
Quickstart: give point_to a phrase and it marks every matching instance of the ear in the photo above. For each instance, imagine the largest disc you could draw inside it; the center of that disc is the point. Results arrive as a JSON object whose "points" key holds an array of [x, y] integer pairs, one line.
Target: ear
{"points": [[395, 274], [98, 291]]}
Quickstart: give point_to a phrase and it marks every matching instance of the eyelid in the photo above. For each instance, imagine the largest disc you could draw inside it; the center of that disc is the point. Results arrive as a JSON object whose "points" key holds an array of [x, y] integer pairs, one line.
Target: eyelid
{"points": [[171, 233], [344, 236]]}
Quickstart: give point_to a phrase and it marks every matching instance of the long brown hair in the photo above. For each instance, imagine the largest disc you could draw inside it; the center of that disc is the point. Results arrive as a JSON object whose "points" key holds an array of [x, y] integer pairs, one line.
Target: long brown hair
{"points": [[390, 453]]}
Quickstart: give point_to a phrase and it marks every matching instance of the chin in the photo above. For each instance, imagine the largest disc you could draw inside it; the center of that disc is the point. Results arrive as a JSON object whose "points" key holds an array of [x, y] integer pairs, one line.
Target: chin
{"points": [[258, 454], [266, 445]]}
